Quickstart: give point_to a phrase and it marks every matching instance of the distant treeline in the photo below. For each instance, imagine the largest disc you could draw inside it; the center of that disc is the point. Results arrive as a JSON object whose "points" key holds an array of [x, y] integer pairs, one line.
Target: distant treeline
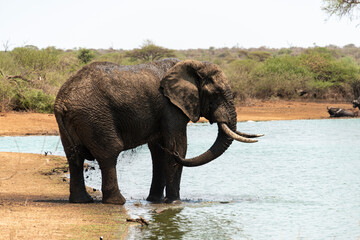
{"points": [[30, 77]]}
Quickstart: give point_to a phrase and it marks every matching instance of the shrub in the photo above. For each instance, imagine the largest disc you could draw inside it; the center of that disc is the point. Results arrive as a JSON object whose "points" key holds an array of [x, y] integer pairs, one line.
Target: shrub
{"points": [[34, 100], [150, 52], [85, 56], [331, 76], [280, 77], [285, 64], [259, 56], [7, 64], [114, 57], [240, 75], [7, 92], [31, 60]]}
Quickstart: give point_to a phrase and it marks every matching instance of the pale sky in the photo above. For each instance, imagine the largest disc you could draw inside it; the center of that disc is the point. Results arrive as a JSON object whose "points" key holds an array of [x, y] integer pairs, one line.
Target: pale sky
{"points": [[185, 24]]}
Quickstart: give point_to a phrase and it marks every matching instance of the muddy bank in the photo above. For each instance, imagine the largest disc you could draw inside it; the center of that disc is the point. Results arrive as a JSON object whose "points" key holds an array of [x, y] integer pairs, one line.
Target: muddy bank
{"points": [[34, 203]]}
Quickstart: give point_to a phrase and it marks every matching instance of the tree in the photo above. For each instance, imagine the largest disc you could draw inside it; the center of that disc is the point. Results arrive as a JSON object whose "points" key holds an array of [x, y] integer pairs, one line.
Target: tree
{"points": [[341, 7], [150, 52]]}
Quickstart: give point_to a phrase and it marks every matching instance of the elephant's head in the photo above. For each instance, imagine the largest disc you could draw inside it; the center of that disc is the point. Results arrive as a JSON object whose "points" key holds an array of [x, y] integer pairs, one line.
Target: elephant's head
{"points": [[200, 89], [356, 103]]}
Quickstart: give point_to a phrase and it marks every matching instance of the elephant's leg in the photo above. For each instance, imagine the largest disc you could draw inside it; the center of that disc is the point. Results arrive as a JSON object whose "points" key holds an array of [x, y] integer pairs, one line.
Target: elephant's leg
{"points": [[78, 193], [174, 137], [158, 179], [173, 170], [109, 187]]}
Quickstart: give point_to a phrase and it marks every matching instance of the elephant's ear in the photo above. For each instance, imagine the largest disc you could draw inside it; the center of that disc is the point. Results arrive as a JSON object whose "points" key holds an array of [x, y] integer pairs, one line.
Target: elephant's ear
{"points": [[181, 86]]}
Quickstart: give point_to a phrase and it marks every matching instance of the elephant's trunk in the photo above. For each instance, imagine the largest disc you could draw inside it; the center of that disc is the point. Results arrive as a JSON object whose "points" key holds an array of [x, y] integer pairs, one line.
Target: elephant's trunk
{"points": [[221, 143], [226, 134]]}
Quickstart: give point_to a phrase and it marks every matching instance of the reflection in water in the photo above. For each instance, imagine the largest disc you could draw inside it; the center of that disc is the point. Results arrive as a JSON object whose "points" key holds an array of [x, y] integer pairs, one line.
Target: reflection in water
{"points": [[166, 223], [190, 220]]}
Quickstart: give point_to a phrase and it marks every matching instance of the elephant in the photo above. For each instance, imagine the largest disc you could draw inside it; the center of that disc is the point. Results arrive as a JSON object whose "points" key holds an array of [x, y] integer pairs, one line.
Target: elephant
{"points": [[356, 103], [106, 108], [339, 112]]}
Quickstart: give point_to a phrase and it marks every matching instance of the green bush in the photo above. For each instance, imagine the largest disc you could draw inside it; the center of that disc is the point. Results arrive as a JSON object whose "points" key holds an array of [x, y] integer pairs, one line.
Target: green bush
{"points": [[149, 52], [34, 100], [32, 60], [85, 55], [30, 78], [7, 93], [7, 64], [280, 77], [114, 57], [259, 56], [275, 77], [331, 75], [240, 76]]}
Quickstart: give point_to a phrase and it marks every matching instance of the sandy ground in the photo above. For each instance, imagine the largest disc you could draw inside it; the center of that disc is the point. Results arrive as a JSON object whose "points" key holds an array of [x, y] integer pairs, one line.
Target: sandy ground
{"points": [[286, 110], [33, 203], [21, 123]]}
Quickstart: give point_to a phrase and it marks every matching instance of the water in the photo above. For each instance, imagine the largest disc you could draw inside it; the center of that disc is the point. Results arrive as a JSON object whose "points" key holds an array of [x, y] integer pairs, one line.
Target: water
{"points": [[32, 144], [300, 181]]}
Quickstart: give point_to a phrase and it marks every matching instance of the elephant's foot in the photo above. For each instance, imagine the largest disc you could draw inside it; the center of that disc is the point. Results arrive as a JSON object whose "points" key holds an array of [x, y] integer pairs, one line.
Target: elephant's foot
{"points": [[172, 200], [155, 199], [80, 198], [117, 199]]}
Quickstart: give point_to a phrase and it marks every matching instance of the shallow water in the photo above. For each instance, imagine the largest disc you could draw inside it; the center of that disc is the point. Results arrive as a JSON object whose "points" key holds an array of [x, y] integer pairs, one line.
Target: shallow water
{"points": [[300, 181]]}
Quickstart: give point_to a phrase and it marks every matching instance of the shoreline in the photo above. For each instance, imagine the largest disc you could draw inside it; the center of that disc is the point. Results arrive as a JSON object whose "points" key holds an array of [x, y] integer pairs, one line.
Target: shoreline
{"points": [[25, 124]]}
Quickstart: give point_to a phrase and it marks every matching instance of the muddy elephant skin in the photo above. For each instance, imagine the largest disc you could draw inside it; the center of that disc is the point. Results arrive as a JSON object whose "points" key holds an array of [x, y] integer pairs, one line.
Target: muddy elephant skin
{"points": [[106, 108]]}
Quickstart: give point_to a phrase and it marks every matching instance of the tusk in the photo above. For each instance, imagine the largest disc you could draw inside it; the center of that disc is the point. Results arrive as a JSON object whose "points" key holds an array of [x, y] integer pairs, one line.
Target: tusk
{"points": [[247, 135], [235, 136]]}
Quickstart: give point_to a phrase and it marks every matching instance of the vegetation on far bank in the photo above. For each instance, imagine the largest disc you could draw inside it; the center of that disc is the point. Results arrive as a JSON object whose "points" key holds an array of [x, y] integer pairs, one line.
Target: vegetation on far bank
{"points": [[30, 77]]}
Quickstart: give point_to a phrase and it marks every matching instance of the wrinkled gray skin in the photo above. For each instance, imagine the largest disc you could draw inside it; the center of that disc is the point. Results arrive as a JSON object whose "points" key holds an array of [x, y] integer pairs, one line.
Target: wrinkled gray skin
{"points": [[339, 112], [105, 109], [356, 103]]}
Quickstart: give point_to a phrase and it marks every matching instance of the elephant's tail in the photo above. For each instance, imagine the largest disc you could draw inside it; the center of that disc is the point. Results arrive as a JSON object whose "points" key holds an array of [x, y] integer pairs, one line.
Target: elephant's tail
{"points": [[70, 148]]}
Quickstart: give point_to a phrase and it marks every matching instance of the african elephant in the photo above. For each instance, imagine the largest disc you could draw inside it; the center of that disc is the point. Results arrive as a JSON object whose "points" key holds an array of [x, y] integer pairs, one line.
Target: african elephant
{"points": [[339, 112], [356, 103], [106, 108]]}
